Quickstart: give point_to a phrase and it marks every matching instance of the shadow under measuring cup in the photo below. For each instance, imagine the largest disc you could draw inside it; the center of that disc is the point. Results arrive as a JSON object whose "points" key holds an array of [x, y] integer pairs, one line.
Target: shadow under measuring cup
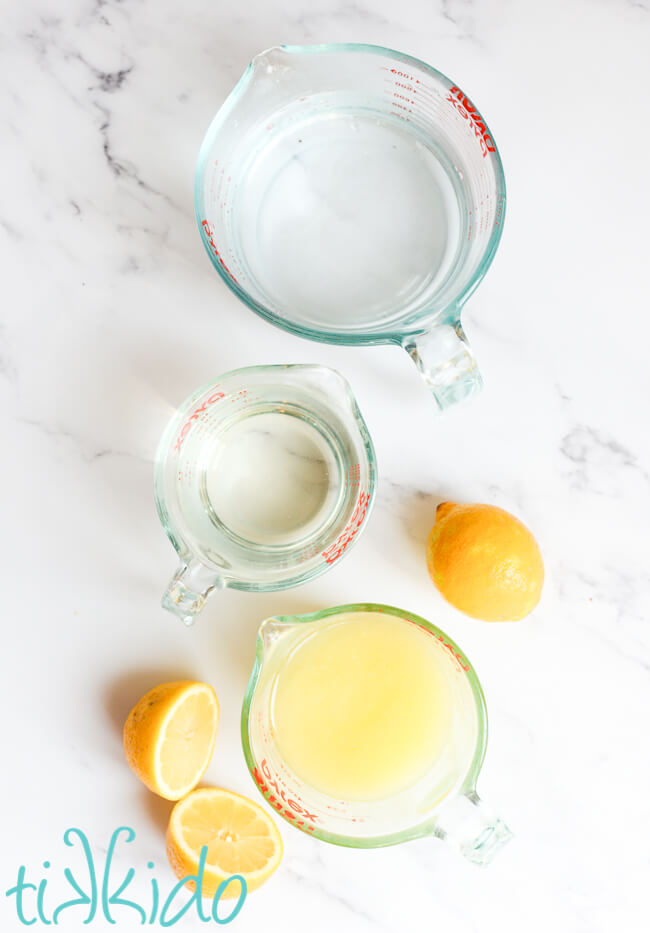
{"points": [[262, 481]]}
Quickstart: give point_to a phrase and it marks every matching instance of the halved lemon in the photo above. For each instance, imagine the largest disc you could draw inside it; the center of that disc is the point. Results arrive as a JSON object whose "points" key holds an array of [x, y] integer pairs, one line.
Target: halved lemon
{"points": [[240, 836], [169, 736]]}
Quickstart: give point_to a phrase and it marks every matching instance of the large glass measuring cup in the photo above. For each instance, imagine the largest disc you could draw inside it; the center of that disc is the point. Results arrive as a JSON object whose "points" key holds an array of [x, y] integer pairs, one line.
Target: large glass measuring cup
{"points": [[353, 194], [364, 725], [262, 480]]}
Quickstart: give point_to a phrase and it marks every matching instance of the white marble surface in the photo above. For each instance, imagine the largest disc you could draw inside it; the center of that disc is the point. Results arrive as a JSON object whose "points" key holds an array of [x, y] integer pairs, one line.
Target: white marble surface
{"points": [[111, 314]]}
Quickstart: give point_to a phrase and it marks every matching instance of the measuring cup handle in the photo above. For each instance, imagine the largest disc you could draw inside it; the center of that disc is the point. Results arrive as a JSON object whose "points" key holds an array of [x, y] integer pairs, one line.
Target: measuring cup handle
{"points": [[446, 363], [469, 825], [188, 590]]}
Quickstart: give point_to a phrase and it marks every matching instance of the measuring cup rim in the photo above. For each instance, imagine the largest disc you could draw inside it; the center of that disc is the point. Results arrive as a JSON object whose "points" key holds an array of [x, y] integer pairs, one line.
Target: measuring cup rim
{"points": [[397, 336], [469, 782], [213, 383], [179, 410]]}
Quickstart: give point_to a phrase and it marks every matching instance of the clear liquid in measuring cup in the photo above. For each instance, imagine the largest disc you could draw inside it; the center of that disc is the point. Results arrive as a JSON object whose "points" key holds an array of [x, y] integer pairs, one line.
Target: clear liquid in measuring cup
{"points": [[269, 479], [348, 217], [263, 479]]}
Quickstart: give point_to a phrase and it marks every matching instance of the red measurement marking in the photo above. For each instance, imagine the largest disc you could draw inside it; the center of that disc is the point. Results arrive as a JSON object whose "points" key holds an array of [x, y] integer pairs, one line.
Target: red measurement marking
{"points": [[455, 654], [308, 552], [424, 91], [196, 414], [334, 551], [208, 232], [401, 74], [267, 780], [468, 111], [450, 648], [354, 475]]}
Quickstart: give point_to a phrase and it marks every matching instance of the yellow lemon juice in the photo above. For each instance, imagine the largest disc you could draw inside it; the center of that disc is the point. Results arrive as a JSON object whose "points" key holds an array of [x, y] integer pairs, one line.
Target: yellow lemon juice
{"points": [[361, 707]]}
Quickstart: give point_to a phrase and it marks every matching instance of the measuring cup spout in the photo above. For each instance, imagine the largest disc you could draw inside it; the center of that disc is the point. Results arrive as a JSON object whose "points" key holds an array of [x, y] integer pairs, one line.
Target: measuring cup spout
{"points": [[188, 590], [472, 828], [274, 628], [446, 363]]}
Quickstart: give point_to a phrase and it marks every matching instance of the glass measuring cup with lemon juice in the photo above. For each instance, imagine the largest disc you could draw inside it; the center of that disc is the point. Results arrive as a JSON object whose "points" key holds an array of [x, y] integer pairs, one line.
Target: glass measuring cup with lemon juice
{"points": [[364, 706], [364, 725], [361, 707]]}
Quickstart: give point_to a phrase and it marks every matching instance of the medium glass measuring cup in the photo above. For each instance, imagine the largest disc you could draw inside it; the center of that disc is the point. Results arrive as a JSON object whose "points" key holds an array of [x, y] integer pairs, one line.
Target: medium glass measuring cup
{"points": [[441, 801], [262, 480], [353, 194]]}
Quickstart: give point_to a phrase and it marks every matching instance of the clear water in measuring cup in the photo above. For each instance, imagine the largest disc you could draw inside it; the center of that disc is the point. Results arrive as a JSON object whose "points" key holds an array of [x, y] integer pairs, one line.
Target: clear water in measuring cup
{"points": [[270, 478], [348, 217], [263, 479]]}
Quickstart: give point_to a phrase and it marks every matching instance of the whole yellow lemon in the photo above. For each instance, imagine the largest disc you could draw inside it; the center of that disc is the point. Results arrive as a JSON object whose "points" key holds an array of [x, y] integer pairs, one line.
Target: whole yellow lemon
{"points": [[485, 562]]}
